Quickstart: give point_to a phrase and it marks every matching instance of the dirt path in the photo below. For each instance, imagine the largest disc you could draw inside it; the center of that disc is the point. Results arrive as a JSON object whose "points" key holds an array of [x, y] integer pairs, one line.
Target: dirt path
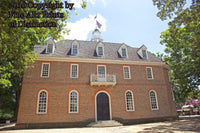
{"points": [[179, 126]]}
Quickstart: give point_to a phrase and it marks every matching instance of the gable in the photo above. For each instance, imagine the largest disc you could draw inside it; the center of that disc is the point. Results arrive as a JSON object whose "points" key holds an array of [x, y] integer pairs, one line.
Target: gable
{"points": [[75, 47], [142, 52], [123, 52], [100, 49]]}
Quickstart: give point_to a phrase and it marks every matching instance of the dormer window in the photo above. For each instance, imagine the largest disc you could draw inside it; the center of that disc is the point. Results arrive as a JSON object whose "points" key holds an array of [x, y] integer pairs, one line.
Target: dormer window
{"points": [[49, 48], [123, 52], [100, 51], [74, 49], [144, 54]]}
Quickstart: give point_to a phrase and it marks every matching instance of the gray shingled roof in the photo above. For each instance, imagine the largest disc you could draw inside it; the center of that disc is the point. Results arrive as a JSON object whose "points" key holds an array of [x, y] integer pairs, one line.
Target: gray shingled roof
{"points": [[87, 49]]}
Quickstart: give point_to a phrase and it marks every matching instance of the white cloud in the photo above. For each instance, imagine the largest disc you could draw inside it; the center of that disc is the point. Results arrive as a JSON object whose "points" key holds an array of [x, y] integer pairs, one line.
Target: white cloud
{"points": [[81, 28]]}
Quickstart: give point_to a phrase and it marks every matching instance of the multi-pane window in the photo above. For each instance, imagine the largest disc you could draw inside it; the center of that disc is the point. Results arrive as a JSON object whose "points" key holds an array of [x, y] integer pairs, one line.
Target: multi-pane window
{"points": [[100, 51], [127, 72], [101, 71], [74, 49], [144, 54], [42, 102], [73, 102], [74, 70], [153, 100], [45, 70], [49, 48], [123, 52], [129, 101], [149, 73]]}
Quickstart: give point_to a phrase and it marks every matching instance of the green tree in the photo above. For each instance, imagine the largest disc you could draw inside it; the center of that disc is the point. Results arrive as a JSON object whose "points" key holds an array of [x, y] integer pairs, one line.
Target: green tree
{"points": [[17, 44], [182, 41]]}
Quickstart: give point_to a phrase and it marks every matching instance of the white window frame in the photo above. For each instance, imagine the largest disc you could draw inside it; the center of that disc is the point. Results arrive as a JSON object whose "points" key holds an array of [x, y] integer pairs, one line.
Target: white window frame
{"points": [[41, 75], [98, 70], [129, 72], [76, 103], [145, 53], [155, 99], [132, 101], [72, 52], [125, 51], [39, 100], [77, 70], [47, 49], [151, 73], [98, 51]]}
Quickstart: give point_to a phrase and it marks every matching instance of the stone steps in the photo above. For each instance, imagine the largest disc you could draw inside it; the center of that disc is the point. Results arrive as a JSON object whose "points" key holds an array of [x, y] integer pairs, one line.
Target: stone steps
{"points": [[109, 123]]}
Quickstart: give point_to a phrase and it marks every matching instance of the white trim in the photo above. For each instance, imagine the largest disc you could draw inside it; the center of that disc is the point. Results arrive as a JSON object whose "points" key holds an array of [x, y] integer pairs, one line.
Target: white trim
{"points": [[139, 51], [53, 48], [125, 52], [74, 42], [42, 71], [151, 73], [71, 70], [98, 70], [89, 60], [120, 50], [77, 102], [109, 104], [73, 48], [38, 98], [100, 44], [146, 54], [132, 101], [156, 99], [98, 51], [128, 71]]}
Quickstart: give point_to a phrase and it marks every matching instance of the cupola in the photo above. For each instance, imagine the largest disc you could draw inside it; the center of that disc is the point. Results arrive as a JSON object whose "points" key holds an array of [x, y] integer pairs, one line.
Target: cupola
{"points": [[96, 36]]}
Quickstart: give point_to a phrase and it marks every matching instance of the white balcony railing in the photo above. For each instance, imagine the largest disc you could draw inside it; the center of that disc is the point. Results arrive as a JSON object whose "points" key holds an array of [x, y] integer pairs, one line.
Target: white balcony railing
{"points": [[102, 80]]}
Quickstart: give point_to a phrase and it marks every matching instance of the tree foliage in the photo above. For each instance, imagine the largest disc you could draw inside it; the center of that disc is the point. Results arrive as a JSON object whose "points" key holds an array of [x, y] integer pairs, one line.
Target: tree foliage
{"points": [[17, 44], [182, 41]]}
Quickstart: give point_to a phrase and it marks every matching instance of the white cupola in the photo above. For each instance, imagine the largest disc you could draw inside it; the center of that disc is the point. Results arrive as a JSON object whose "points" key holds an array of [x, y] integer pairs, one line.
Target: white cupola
{"points": [[96, 36]]}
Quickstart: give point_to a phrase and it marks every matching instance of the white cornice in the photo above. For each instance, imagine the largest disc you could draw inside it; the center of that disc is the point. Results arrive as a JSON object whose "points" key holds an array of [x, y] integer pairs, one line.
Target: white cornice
{"points": [[89, 60]]}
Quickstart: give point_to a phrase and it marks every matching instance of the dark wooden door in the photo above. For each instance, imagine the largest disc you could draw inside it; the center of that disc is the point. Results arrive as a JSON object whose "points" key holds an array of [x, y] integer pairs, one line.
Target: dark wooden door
{"points": [[103, 109]]}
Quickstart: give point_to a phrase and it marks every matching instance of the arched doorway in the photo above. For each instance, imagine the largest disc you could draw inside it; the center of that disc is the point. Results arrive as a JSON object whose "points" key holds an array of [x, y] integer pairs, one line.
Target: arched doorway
{"points": [[102, 106]]}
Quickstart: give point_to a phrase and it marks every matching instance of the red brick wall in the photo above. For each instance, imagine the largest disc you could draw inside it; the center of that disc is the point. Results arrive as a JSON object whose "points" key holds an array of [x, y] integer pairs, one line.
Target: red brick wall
{"points": [[59, 84]]}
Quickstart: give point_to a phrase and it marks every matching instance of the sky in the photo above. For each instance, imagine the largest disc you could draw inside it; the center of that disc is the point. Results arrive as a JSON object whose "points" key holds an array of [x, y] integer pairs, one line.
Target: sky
{"points": [[133, 22]]}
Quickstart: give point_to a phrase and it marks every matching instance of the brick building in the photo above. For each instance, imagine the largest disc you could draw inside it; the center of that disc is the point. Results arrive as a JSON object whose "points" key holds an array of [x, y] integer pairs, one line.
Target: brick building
{"points": [[79, 82]]}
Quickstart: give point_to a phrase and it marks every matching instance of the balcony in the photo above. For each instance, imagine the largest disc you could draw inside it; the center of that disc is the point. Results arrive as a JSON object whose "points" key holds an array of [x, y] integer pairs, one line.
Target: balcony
{"points": [[99, 80]]}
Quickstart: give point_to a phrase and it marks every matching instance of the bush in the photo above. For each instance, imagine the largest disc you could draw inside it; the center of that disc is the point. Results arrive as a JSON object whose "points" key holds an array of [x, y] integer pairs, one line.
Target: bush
{"points": [[5, 115]]}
